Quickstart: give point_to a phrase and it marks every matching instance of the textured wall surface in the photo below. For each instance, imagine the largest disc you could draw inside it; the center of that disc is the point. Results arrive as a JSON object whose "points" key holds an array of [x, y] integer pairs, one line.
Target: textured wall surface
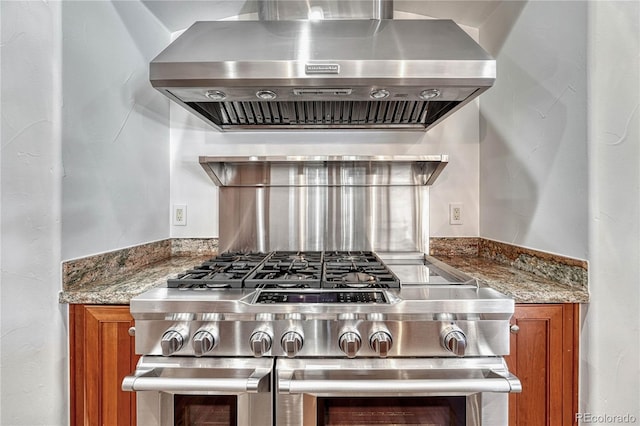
{"points": [[115, 134], [33, 363], [610, 340], [533, 128], [84, 168]]}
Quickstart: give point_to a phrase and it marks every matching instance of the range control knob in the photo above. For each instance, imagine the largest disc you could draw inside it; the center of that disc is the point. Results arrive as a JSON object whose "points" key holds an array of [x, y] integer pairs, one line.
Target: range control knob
{"points": [[203, 341], [172, 341], [454, 340], [291, 342], [381, 343], [350, 343], [260, 342]]}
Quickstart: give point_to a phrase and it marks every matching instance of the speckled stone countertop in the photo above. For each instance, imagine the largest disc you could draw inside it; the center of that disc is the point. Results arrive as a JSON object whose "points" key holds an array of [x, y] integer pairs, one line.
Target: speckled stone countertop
{"points": [[118, 290], [528, 277], [524, 287], [115, 277]]}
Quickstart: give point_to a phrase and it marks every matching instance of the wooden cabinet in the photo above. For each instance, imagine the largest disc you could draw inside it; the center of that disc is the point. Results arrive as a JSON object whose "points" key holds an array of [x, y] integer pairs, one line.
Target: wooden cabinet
{"points": [[101, 354], [544, 353]]}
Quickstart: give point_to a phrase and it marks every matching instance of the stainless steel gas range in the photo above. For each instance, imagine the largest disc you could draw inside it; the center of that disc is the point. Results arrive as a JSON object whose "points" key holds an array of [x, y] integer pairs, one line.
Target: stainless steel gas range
{"points": [[368, 330]]}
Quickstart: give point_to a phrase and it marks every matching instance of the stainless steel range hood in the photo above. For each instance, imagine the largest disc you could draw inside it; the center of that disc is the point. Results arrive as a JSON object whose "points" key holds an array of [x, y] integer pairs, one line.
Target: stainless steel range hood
{"points": [[323, 74]]}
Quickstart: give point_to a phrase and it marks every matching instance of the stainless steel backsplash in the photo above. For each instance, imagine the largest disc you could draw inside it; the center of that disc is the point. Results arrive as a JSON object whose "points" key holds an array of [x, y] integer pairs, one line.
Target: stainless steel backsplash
{"points": [[379, 218], [378, 203]]}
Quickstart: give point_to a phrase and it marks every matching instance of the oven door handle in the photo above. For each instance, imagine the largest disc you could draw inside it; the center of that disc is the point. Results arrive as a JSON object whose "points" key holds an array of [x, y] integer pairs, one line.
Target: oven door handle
{"points": [[496, 382], [150, 379]]}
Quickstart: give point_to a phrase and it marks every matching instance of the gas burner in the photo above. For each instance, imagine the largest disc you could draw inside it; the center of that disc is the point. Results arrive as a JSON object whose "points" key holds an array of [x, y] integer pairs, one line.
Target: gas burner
{"points": [[286, 269], [299, 276], [202, 285], [354, 257], [359, 285], [283, 280], [215, 278], [300, 256], [238, 256], [285, 285], [226, 270], [359, 278], [268, 274], [357, 270]]}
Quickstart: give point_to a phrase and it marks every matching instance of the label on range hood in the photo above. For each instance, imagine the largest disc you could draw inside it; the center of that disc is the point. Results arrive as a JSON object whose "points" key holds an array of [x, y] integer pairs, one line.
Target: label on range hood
{"points": [[322, 69], [320, 91]]}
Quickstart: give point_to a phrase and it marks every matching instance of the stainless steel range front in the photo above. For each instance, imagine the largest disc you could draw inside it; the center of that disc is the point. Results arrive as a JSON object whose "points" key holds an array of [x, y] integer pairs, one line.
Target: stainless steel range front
{"points": [[274, 331]]}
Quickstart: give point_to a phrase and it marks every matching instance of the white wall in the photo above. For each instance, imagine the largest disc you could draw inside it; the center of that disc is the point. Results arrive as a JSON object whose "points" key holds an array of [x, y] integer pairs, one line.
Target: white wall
{"points": [[74, 88], [115, 134], [533, 138], [560, 168], [33, 341], [610, 340], [457, 136]]}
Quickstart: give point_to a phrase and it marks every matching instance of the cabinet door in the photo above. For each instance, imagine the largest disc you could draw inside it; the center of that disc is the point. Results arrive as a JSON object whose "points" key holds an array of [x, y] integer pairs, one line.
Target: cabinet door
{"points": [[101, 354], [543, 357]]}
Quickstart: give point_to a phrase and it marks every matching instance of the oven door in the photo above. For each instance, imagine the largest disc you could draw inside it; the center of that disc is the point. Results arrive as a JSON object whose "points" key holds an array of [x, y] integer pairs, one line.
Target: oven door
{"points": [[412, 391], [173, 391]]}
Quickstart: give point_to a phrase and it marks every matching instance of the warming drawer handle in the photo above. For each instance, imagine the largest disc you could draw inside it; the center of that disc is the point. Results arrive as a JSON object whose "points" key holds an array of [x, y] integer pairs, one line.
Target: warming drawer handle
{"points": [[505, 384], [148, 380]]}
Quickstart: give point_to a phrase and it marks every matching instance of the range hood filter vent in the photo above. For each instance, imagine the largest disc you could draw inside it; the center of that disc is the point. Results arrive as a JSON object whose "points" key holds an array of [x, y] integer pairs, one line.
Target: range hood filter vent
{"points": [[323, 114]]}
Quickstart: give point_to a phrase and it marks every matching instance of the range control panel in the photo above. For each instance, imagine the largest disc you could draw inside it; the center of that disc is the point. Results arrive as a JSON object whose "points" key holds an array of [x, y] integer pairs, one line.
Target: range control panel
{"points": [[271, 297]]}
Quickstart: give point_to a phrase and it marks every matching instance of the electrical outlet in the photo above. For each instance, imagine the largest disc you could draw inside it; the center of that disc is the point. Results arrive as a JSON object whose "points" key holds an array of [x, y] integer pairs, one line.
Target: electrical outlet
{"points": [[180, 214], [455, 214]]}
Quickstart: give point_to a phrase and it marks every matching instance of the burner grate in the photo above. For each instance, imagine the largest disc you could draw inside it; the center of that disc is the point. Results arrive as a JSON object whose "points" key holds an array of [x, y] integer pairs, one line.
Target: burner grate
{"points": [[288, 269], [224, 271], [356, 269]]}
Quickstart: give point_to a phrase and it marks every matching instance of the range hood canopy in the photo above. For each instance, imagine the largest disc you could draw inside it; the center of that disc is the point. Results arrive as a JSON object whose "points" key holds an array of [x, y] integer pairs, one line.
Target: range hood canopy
{"points": [[323, 74]]}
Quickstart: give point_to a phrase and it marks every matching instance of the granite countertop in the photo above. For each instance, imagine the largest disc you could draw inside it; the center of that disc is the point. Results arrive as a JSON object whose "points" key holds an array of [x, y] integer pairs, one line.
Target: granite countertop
{"points": [[118, 290], [523, 286]]}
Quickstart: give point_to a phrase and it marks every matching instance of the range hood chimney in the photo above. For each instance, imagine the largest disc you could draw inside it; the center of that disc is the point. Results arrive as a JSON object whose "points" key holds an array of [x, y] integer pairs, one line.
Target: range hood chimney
{"points": [[323, 64], [289, 10]]}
